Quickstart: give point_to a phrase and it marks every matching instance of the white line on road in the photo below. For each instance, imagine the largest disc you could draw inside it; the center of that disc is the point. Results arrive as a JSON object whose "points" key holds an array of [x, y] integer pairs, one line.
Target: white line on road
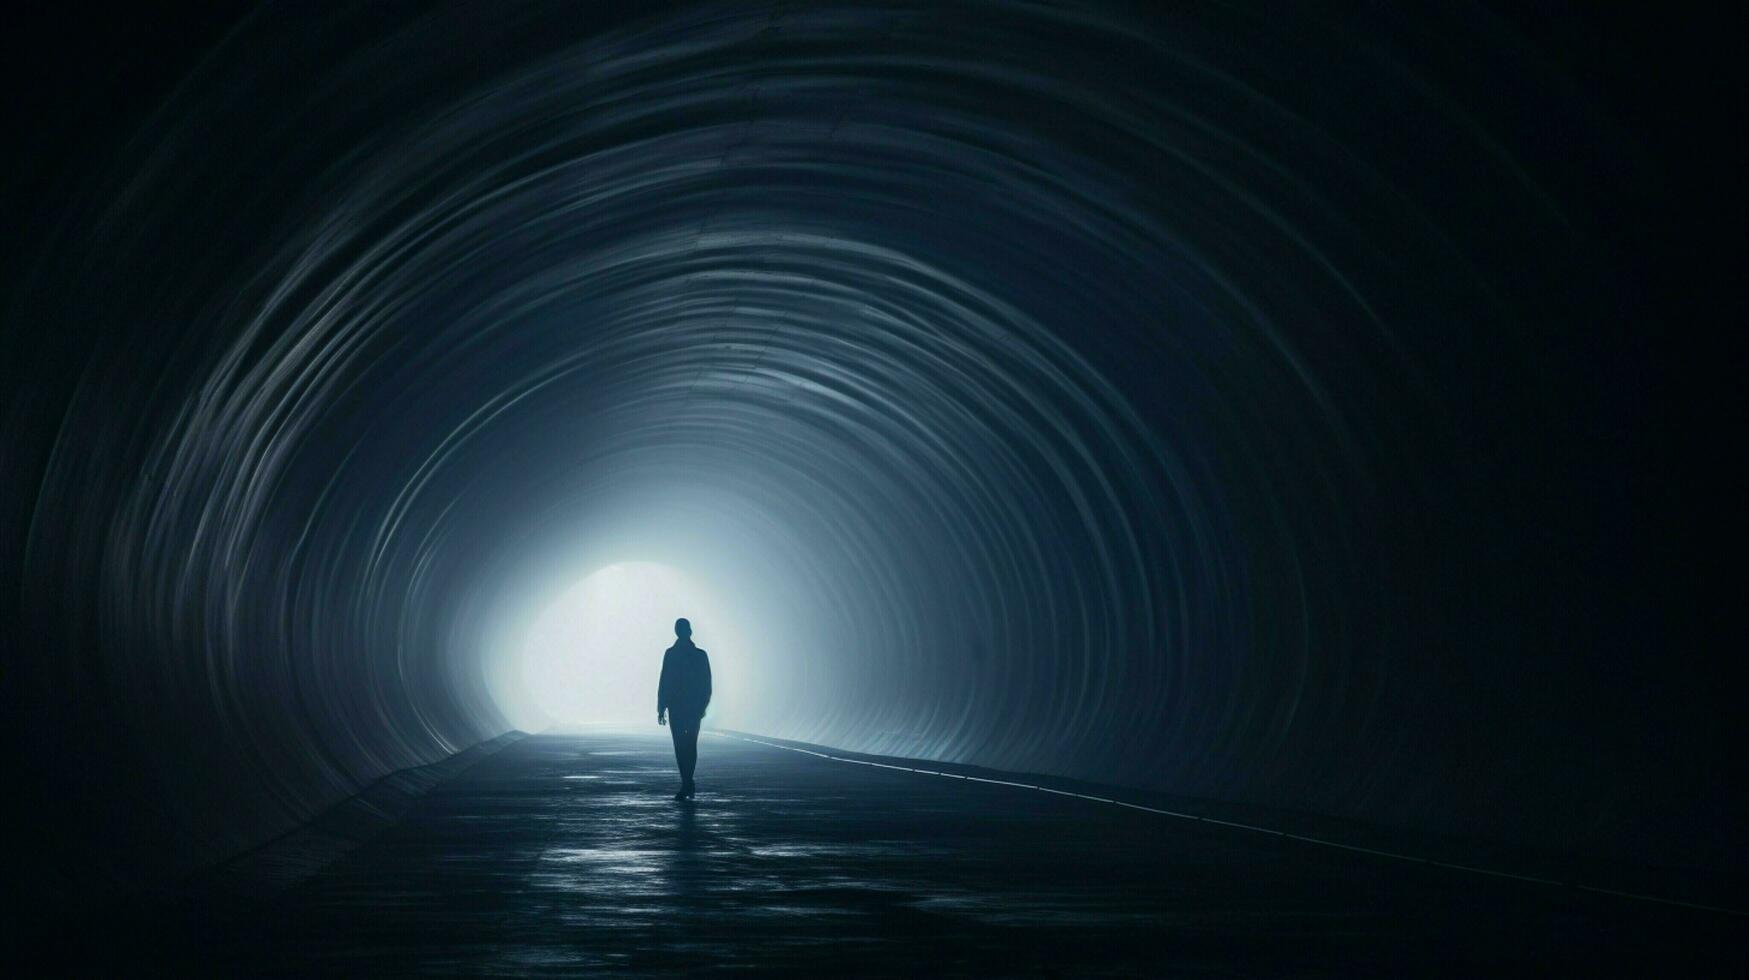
{"points": [[1243, 826]]}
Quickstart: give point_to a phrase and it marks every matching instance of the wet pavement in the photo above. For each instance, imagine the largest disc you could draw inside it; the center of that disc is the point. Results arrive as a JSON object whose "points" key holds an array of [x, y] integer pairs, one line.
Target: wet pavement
{"points": [[566, 855]]}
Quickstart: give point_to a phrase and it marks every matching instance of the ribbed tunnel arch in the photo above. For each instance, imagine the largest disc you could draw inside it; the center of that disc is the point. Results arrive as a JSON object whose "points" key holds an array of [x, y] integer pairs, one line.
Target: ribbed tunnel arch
{"points": [[1101, 391]]}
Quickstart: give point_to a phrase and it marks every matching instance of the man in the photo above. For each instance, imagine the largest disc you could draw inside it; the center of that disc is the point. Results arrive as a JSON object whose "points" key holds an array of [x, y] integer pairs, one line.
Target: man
{"points": [[681, 696]]}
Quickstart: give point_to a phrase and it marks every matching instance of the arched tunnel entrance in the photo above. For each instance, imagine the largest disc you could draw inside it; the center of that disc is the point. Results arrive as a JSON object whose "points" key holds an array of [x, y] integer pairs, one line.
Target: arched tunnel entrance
{"points": [[1171, 400]]}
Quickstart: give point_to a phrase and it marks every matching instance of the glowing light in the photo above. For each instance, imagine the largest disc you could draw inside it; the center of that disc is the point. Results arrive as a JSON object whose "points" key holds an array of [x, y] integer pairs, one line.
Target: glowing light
{"points": [[593, 657]]}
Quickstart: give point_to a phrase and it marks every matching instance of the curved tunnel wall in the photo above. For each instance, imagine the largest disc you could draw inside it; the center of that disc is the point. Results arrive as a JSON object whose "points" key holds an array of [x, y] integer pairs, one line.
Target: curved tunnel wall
{"points": [[1175, 400]]}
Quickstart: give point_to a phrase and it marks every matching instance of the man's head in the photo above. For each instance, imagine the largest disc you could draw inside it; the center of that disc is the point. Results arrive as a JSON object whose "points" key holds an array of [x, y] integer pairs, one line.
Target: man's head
{"points": [[682, 629]]}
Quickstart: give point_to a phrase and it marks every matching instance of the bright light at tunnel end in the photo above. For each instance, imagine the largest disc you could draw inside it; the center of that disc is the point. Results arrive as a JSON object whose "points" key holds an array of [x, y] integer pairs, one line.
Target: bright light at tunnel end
{"points": [[593, 656]]}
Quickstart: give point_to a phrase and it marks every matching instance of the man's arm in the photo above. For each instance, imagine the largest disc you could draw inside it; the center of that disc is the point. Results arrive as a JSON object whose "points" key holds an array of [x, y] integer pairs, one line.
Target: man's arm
{"points": [[706, 661], [662, 688]]}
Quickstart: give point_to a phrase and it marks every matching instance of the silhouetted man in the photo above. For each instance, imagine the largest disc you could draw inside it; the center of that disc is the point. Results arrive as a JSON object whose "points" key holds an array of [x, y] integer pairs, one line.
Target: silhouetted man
{"points": [[681, 697]]}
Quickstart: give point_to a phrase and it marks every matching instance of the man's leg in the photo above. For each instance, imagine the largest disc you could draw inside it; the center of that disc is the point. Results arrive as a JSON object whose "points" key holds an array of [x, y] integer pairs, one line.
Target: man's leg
{"points": [[677, 730], [686, 748]]}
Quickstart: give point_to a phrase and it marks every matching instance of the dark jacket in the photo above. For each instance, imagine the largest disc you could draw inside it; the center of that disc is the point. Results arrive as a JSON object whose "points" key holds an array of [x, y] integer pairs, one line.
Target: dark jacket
{"points": [[685, 688]]}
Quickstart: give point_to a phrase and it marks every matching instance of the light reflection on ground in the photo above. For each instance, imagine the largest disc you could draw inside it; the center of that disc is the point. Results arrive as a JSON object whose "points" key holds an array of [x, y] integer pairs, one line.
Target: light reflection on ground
{"points": [[566, 855]]}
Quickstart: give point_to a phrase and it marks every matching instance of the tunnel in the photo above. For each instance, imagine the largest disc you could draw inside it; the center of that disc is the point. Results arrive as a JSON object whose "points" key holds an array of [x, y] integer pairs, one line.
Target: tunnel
{"points": [[1254, 405]]}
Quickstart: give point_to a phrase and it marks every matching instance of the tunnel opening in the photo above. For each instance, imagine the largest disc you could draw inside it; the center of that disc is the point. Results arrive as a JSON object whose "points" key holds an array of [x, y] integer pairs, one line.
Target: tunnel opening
{"points": [[592, 656]]}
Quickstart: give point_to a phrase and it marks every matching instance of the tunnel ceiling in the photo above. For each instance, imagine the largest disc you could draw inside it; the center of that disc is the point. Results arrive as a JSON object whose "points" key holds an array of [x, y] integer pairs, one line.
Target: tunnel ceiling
{"points": [[1192, 400]]}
